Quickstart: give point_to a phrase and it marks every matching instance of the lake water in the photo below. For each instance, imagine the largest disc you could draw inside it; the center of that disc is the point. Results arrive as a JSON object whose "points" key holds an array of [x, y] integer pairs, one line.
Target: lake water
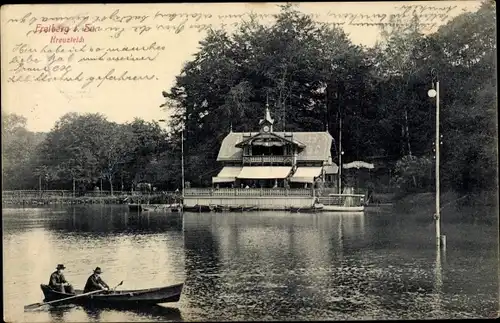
{"points": [[252, 266]]}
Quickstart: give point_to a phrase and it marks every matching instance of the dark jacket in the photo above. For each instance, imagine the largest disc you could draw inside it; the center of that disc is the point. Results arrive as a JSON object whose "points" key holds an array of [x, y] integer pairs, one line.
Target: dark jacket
{"points": [[94, 283], [56, 279]]}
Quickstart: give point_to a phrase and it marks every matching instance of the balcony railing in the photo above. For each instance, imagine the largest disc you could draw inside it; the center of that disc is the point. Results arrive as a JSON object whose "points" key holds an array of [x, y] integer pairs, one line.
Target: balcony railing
{"points": [[285, 159], [199, 192]]}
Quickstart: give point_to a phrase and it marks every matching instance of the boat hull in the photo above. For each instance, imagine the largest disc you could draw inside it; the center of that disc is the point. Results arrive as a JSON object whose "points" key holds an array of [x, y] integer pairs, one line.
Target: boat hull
{"points": [[119, 298], [338, 208], [197, 208], [306, 210]]}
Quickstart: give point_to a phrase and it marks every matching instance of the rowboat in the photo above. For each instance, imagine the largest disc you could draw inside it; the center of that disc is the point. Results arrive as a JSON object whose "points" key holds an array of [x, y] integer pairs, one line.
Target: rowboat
{"points": [[197, 208], [219, 208], [242, 208], [139, 297], [312, 209]]}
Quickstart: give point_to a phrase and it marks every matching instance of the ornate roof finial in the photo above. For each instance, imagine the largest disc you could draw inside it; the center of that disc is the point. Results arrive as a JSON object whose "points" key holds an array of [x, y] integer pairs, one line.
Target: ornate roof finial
{"points": [[267, 117], [231, 127]]}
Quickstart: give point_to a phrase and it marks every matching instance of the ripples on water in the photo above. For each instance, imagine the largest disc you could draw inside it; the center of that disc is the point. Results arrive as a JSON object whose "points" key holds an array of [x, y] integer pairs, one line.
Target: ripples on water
{"points": [[253, 266]]}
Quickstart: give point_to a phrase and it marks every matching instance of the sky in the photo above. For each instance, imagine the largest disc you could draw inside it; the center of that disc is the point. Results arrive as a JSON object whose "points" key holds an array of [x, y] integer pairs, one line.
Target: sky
{"points": [[43, 103]]}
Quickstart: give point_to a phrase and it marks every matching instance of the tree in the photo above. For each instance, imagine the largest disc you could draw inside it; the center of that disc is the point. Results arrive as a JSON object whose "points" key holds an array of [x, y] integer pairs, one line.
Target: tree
{"points": [[230, 80], [413, 173], [73, 148], [115, 152], [146, 141], [18, 152], [463, 54]]}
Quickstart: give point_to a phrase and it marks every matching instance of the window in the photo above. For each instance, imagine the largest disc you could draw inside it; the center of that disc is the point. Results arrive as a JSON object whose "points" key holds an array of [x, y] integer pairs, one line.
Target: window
{"points": [[267, 151]]}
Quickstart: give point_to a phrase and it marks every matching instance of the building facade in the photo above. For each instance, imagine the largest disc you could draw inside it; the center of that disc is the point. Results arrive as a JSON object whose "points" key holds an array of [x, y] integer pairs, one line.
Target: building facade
{"points": [[268, 159]]}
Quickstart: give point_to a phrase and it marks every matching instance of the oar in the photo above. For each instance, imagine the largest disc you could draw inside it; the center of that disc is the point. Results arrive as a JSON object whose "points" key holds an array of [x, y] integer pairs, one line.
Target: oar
{"points": [[35, 305]]}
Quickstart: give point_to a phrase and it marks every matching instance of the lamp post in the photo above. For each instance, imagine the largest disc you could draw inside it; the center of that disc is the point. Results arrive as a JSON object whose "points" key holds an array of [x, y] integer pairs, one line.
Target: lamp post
{"points": [[434, 93], [340, 153], [182, 161]]}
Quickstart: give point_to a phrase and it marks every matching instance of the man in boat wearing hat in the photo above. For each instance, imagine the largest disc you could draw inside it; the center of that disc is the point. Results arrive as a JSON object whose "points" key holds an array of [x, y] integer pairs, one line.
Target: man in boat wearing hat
{"points": [[95, 282], [58, 282]]}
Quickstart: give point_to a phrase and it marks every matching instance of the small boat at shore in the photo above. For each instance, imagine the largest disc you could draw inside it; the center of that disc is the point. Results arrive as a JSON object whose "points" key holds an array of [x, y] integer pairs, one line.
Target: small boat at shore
{"points": [[139, 297], [169, 208], [219, 208], [313, 209], [197, 208], [242, 208]]}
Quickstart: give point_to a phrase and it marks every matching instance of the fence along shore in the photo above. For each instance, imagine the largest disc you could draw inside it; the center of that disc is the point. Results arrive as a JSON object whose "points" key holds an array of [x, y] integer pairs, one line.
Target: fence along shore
{"points": [[37, 197]]}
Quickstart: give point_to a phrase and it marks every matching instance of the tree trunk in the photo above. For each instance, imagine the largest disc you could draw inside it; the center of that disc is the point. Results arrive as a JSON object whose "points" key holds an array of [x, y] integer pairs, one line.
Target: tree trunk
{"points": [[407, 132], [111, 184], [74, 187]]}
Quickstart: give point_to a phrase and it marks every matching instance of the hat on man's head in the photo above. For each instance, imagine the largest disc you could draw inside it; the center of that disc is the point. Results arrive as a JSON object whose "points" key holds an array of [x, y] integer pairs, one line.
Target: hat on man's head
{"points": [[97, 270], [60, 266]]}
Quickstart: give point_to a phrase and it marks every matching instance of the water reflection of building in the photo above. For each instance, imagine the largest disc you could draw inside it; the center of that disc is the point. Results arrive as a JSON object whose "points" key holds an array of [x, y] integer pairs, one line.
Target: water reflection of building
{"points": [[286, 254], [202, 261], [271, 234]]}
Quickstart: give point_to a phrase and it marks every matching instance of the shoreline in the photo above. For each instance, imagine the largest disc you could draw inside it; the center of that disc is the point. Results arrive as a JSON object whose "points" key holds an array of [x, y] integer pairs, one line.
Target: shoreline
{"points": [[116, 199]]}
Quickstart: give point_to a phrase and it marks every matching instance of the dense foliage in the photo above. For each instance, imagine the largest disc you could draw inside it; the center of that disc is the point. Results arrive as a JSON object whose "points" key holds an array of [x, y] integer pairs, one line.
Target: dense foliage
{"points": [[311, 74]]}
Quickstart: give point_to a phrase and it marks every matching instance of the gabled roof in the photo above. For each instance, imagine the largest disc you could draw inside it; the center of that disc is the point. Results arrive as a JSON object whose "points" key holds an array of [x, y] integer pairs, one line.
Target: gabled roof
{"points": [[268, 135], [317, 145]]}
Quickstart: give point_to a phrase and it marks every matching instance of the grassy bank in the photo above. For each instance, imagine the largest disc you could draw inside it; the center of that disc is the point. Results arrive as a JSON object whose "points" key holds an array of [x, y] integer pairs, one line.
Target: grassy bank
{"points": [[118, 199], [63, 200], [455, 207]]}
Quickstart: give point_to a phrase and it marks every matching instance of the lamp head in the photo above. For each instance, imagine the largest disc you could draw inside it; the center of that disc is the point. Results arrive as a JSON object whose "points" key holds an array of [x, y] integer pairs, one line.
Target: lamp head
{"points": [[431, 93]]}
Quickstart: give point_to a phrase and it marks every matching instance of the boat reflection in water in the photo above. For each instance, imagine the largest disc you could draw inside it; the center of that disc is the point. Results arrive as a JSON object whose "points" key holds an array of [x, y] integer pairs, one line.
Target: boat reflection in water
{"points": [[120, 313], [149, 312], [58, 314]]}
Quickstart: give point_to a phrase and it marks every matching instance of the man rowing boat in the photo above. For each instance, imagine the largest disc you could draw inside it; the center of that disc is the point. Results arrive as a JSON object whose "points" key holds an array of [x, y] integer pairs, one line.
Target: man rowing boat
{"points": [[58, 282], [95, 282]]}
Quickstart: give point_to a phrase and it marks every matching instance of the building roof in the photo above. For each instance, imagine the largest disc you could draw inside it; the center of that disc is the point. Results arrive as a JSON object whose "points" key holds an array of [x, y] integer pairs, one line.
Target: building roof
{"points": [[317, 146]]}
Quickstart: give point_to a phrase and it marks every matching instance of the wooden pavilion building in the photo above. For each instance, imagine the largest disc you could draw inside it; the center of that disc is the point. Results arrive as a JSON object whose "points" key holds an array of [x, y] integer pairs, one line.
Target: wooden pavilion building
{"points": [[269, 170], [268, 159]]}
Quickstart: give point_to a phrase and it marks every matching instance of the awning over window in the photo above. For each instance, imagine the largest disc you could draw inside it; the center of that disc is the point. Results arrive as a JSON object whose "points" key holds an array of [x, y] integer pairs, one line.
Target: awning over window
{"points": [[264, 172], [227, 174], [306, 174]]}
